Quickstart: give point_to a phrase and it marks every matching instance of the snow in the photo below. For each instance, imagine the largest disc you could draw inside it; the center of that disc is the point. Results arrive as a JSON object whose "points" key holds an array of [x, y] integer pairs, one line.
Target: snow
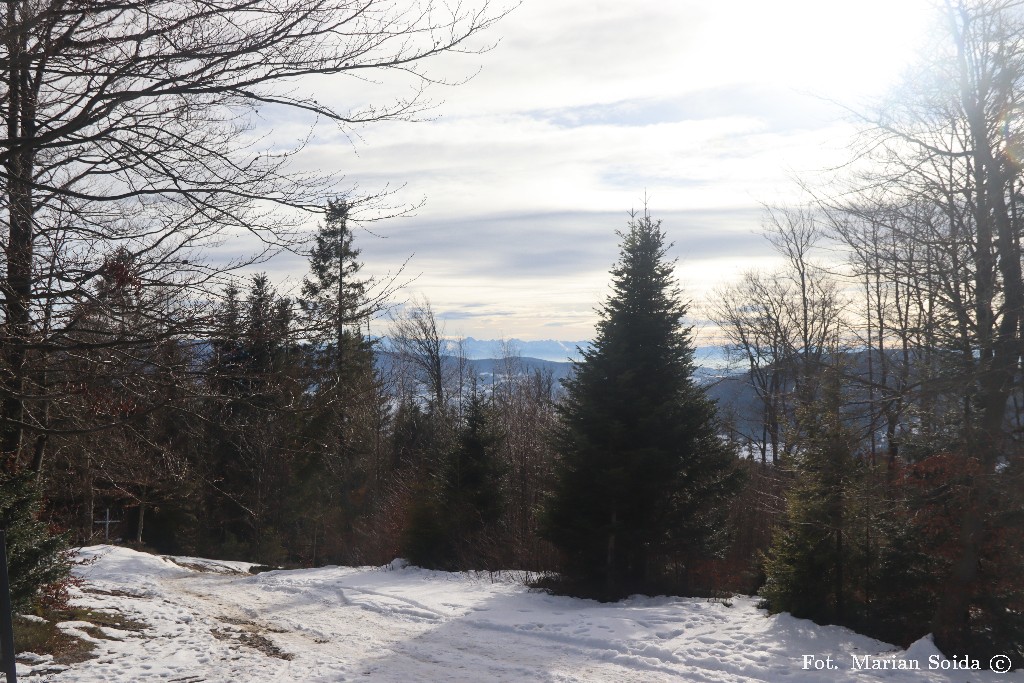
{"points": [[211, 621]]}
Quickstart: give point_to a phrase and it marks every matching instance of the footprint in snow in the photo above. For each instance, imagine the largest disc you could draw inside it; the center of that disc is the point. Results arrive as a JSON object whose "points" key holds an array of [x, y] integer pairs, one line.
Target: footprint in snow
{"points": [[669, 635]]}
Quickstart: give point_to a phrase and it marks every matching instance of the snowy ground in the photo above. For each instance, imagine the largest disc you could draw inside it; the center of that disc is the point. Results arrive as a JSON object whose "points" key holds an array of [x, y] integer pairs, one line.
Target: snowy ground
{"points": [[209, 621]]}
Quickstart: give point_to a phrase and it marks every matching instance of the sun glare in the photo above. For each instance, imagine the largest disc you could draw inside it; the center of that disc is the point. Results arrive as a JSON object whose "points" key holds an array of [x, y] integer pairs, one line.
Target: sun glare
{"points": [[836, 49]]}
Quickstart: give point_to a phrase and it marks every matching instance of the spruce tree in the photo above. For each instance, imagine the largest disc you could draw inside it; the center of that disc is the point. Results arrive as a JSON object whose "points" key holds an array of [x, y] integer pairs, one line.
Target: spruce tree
{"points": [[251, 436], [333, 296], [336, 303], [455, 523], [810, 568], [643, 473], [349, 407], [471, 482], [38, 561]]}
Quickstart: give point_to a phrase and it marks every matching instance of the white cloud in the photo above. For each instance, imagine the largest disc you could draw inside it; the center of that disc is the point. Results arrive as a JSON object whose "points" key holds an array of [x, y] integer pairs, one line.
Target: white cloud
{"points": [[582, 108]]}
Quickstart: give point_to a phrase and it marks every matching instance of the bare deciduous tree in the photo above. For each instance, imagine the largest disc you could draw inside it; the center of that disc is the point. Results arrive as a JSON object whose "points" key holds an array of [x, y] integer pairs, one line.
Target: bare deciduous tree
{"points": [[131, 129], [429, 362], [951, 141], [785, 325]]}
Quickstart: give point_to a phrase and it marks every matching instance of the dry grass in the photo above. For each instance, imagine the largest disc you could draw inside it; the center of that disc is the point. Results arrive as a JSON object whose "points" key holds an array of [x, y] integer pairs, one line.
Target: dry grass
{"points": [[46, 638]]}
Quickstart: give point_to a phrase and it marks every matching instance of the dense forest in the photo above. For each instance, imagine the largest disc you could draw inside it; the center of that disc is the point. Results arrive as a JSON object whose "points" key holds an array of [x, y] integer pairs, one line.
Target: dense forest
{"points": [[875, 478]]}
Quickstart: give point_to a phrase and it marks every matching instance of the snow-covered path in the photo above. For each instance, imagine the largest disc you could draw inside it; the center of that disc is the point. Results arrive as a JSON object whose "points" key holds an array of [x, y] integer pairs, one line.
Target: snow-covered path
{"points": [[344, 624]]}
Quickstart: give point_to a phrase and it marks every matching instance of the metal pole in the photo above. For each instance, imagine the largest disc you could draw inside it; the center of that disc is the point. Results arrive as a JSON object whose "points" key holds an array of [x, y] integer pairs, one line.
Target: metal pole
{"points": [[6, 626]]}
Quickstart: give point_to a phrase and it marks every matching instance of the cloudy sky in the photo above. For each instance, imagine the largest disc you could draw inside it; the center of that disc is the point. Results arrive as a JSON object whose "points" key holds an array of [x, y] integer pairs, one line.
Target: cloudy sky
{"points": [[584, 108]]}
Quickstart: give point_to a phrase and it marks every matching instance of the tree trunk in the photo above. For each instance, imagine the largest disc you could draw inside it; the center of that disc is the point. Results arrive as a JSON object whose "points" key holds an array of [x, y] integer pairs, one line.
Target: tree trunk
{"points": [[19, 168], [951, 621], [839, 579], [610, 558], [997, 253], [142, 519]]}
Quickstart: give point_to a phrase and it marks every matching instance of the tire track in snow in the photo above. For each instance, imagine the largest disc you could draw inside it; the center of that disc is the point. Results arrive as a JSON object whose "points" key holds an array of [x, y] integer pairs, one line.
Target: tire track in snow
{"points": [[345, 624]]}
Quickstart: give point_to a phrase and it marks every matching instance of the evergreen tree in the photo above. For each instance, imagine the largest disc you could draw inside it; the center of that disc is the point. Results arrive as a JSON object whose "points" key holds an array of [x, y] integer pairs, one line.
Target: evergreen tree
{"points": [[334, 298], [37, 560], [261, 340], [810, 566], [454, 525], [226, 360], [336, 303], [349, 405], [472, 481], [643, 473], [923, 532], [333, 295], [252, 436]]}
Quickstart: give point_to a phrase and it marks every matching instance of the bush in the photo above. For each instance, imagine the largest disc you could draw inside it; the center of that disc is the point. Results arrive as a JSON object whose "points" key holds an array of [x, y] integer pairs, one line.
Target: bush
{"points": [[38, 560]]}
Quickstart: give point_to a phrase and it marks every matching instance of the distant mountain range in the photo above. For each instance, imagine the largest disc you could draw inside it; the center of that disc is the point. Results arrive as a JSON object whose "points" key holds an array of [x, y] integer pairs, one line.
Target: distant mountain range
{"points": [[556, 356], [729, 387], [545, 349], [559, 351]]}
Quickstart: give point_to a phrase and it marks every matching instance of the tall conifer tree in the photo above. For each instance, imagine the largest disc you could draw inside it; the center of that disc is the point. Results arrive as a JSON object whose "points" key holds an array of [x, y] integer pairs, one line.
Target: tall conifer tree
{"points": [[335, 301], [643, 473], [814, 565], [349, 409], [333, 295]]}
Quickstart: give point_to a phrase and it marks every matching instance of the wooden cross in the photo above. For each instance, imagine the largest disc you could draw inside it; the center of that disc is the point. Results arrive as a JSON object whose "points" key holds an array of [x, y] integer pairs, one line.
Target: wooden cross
{"points": [[106, 522]]}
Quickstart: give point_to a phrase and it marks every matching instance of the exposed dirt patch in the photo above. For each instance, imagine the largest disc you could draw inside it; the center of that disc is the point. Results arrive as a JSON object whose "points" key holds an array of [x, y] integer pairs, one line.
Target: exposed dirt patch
{"points": [[258, 642], [204, 568], [109, 619], [251, 639], [250, 625], [113, 593], [43, 636], [250, 634]]}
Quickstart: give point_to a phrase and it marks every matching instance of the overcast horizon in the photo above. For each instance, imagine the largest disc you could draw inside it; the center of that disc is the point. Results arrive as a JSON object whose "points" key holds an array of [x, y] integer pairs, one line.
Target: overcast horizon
{"points": [[581, 112]]}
